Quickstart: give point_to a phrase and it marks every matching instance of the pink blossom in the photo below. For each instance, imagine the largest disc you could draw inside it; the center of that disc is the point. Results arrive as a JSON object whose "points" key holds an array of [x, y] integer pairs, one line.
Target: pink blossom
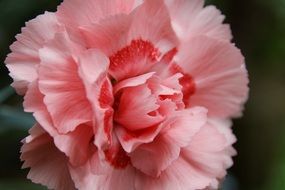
{"points": [[129, 95]]}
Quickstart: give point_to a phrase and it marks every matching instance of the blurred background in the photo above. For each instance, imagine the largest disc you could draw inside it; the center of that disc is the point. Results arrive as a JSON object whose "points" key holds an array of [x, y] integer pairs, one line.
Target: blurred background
{"points": [[259, 31]]}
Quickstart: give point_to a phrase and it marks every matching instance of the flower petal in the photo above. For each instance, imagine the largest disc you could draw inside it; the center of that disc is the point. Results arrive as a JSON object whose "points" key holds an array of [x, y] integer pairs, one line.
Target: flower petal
{"points": [[211, 151], [134, 107], [134, 81], [155, 27], [23, 60], [183, 125], [77, 145], [85, 12], [93, 66], [121, 179], [108, 34], [48, 167], [190, 19], [160, 154], [219, 73], [64, 93], [137, 47], [180, 175], [131, 140], [33, 102]]}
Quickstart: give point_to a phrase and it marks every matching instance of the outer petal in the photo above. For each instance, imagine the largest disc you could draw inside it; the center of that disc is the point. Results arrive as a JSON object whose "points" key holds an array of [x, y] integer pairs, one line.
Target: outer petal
{"points": [[219, 74], [200, 165], [177, 131], [108, 34], [211, 151], [151, 35], [77, 145], [183, 125], [190, 19], [48, 165], [180, 175], [74, 144], [59, 81], [84, 179], [85, 12], [151, 22], [33, 102], [160, 154], [23, 60]]}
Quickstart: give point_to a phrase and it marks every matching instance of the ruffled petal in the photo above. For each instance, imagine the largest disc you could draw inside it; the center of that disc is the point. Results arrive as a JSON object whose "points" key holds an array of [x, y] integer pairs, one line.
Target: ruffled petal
{"points": [[108, 34], [180, 175], [200, 165], [23, 60], [64, 93], [219, 74], [160, 154], [33, 102], [77, 145], [84, 179], [93, 66], [137, 47], [210, 151], [190, 19], [132, 82], [183, 125], [130, 140], [48, 165], [135, 106], [158, 31], [85, 12]]}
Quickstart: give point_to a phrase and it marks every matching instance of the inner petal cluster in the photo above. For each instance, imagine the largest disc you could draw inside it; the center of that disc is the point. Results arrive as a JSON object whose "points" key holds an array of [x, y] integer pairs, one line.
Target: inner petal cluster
{"points": [[142, 100]]}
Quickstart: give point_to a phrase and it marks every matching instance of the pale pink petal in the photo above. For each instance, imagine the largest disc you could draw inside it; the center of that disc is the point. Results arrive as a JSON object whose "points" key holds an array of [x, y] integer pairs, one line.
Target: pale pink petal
{"points": [[123, 29], [64, 93], [224, 127], [109, 34], [122, 179], [190, 19], [135, 106], [183, 125], [180, 175], [93, 66], [200, 165], [158, 31], [85, 12], [178, 131], [130, 34], [74, 144], [209, 150], [219, 73], [23, 60], [48, 165], [153, 158], [95, 174], [33, 102], [77, 145]]}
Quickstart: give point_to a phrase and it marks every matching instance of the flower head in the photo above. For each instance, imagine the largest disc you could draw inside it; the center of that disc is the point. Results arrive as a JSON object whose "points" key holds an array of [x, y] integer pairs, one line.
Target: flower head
{"points": [[129, 94]]}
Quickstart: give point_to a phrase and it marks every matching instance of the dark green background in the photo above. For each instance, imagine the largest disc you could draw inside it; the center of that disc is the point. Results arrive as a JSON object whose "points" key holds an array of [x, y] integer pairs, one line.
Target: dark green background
{"points": [[259, 31]]}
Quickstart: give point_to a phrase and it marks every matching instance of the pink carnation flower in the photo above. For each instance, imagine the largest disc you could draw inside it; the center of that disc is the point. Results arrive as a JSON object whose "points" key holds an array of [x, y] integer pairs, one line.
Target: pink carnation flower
{"points": [[129, 95]]}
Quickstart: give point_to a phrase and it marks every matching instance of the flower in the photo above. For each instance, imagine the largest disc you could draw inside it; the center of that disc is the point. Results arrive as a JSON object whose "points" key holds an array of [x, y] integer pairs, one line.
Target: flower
{"points": [[129, 95]]}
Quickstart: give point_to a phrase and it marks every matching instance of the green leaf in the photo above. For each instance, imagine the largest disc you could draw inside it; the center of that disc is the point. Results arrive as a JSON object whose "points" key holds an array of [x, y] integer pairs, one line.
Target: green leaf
{"points": [[12, 118], [5, 93]]}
